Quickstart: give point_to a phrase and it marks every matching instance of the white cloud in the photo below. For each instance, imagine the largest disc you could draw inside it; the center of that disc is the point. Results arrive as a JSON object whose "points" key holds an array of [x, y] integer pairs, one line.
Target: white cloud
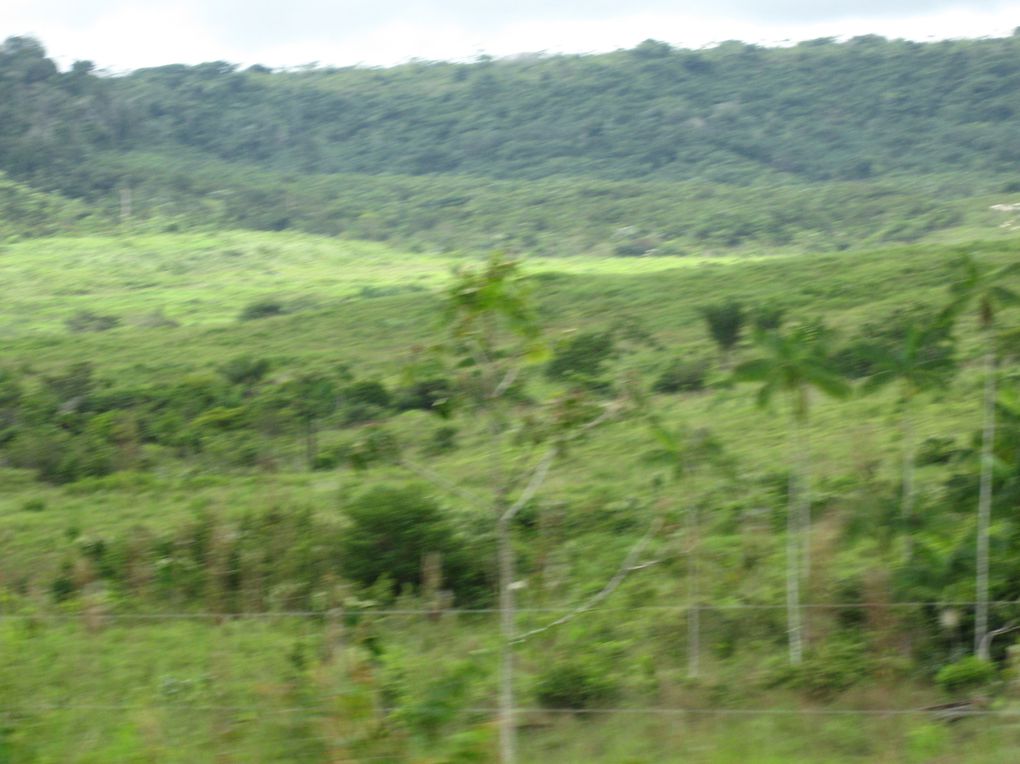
{"points": [[119, 34]]}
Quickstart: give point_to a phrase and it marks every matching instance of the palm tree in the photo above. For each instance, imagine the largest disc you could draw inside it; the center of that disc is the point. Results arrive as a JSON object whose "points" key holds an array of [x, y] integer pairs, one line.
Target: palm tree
{"points": [[981, 288], [795, 363], [921, 361], [684, 451]]}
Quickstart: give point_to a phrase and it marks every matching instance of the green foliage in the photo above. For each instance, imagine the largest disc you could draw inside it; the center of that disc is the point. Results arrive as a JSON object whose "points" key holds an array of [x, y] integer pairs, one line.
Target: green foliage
{"points": [[365, 400], [435, 395], [576, 683], [682, 375], [443, 441], [582, 357], [967, 674], [374, 445], [391, 529], [36, 504], [245, 370], [87, 321], [725, 323], [264, 308], [833, 667], [793, 363]]}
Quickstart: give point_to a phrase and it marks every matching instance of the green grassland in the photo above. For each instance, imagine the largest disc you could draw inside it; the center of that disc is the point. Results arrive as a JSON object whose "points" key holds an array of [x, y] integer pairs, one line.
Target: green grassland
{"points": [[113, 649]]}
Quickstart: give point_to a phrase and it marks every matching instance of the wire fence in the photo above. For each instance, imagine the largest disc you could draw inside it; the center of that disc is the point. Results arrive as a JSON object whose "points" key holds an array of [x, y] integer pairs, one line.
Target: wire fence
{"points": [[322, 722], [439, 611]]}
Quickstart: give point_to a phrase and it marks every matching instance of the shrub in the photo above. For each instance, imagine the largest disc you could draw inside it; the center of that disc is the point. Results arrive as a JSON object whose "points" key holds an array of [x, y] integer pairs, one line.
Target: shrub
{"points": [[575, 683], [443, 440], [391, 530], [583, 356], [427, 395], [965, 674], [265, 308], [87, 321], [836, 665], [936, 451], [367, 392], [33, 505], [376, 444], [245, 370], [682, 375]]}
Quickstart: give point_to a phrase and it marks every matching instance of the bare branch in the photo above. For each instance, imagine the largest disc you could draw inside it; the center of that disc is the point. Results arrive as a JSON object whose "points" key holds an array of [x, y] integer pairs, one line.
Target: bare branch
{"points": [[629, 565], [537, 478], [986, 640], [541, 470], [509, 378]]}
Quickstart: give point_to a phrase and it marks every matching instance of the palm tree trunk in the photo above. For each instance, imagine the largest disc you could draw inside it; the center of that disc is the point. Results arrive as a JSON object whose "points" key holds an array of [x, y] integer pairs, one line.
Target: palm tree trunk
{"points": [[804, 501], [802, 441], [793, 547], [985, 509]]}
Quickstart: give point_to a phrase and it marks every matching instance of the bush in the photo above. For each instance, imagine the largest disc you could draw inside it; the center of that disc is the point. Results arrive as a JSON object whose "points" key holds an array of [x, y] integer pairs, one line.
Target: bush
{"points": [[427, 395], [583, 356], [376, 444], [835, 666], [443, 441], [33, 505], [266, 308], [683, 375], [574, 683], [87, 321], [936, 451], [245, 370], [365, 401], [367, 392], [965, 674], [391, 530]]}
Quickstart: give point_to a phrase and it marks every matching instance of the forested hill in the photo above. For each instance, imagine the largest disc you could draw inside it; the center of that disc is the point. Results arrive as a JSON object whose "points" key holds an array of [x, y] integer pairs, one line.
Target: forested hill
{"points": [[819, 110], [867, 109]]}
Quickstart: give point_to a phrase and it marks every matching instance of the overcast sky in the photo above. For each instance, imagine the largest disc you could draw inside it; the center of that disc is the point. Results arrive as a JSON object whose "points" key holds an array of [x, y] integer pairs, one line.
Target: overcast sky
{"points": [[127, 34]]}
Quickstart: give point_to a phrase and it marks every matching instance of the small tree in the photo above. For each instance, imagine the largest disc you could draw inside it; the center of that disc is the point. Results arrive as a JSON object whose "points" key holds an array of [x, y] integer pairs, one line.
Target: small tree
{"points": [[685, 451], [392, 529], [981, 288], [725, 323], [921, 361], [795, 363], [494, 333]]}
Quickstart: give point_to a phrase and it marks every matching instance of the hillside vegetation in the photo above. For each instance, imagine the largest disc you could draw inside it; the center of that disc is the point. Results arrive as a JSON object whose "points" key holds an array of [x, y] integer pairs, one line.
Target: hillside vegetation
{"points": [[295, 467], [818, 146]]}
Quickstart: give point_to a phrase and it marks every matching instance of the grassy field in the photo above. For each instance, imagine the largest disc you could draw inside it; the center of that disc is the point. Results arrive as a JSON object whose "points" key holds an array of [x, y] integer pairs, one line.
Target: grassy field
{"points": [[88, 680]]}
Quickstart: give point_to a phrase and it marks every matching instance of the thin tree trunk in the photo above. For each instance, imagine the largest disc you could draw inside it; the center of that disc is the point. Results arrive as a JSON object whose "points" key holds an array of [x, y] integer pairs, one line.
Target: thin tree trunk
{"points": [[804, 502], [693, 610], [507, 723], [793, 547], [802, 445], [505, 572], [985, 510], [907, 499]]}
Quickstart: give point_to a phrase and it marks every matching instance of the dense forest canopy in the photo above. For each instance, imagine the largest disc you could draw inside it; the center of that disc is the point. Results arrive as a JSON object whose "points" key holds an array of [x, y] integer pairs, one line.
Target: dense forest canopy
{"points": [[820, 110], [613, 133]]}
